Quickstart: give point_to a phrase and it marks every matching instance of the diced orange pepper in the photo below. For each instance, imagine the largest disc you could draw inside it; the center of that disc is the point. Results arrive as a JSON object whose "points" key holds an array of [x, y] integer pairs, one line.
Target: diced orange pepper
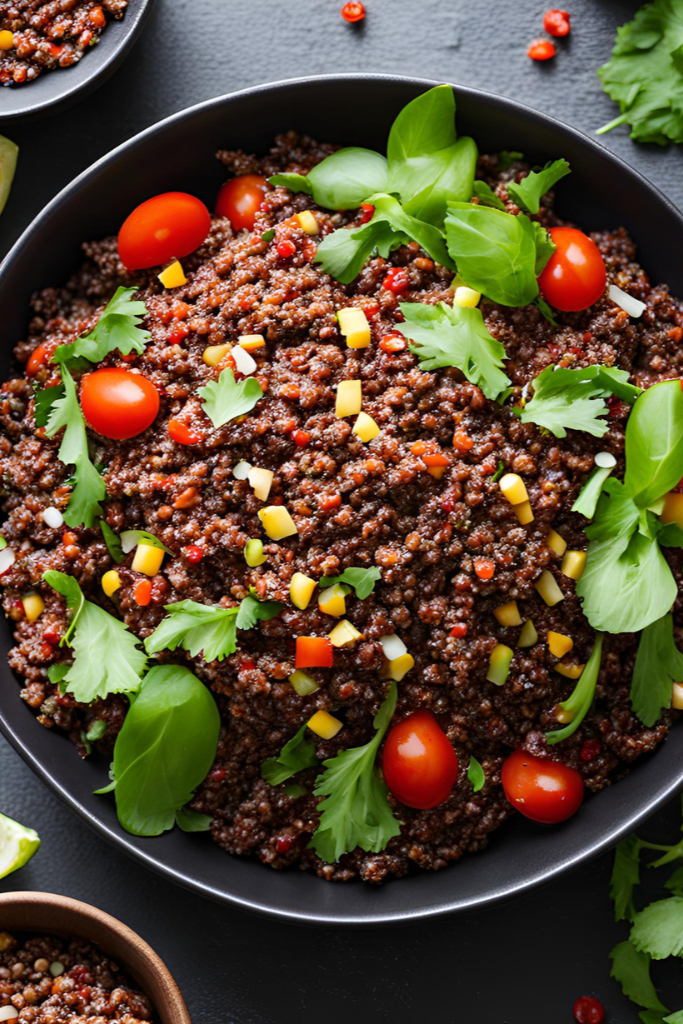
{"points": [[313, 652]]}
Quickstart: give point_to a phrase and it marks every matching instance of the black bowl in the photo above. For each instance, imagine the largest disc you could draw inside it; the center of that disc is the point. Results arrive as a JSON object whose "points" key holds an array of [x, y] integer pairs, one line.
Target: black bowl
{"points": [[66, 85], [602, 192]]}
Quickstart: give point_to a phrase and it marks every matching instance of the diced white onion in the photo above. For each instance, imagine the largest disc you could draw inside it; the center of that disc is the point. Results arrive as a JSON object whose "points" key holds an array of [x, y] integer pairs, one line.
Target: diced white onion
{"points": [[243, 361], [393, 647], [241, 470], [634, 307], [7, 559], [52, 517], [605, 461], [8, 1013]]}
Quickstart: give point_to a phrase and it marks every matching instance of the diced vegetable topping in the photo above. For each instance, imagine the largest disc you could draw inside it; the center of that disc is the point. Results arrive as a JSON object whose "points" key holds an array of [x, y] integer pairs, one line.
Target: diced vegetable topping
{"points": [[514, 488], [253, 553], [559, 644], [354, 326], [556, 543], [307, 222], [499, 664], [303, 684], [147, 559], [466, 297], [508, 614], [34, 606], [324, 724], [214, 354], [261, 481], [528, 636], [111, 582], [301, 589], [277, 522], [398, 667], [365, 427], [349, 398], [548, 589], [173, 276], [344, 633], [332, 600], [573, 564], [524, 513], [313, 652]]}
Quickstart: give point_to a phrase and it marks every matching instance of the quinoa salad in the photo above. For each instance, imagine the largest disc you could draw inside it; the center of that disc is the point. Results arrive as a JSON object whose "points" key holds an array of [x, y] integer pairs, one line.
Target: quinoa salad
{"points": [[45, 979], [345, 523], [45, 35]]}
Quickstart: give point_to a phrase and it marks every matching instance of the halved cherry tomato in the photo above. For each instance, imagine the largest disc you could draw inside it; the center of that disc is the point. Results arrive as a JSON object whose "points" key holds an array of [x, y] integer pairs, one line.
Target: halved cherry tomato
{"points": [[240, 198], [118, 403], [543, 790], [182, 434], [164, 228], [40, 356], [574, 277], [419, 764]]}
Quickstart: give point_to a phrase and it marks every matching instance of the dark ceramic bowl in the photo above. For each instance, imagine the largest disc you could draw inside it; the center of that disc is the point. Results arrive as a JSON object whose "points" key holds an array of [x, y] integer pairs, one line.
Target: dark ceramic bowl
{"points": [[602, 192], [66, 85]]}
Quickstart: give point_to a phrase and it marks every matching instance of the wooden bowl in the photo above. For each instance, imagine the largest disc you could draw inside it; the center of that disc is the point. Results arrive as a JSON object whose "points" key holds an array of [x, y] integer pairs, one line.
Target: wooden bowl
{"points": [[46, 913]]}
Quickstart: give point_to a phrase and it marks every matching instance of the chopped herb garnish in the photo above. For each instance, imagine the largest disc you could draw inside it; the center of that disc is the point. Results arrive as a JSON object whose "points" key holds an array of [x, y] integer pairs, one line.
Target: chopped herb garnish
{"points": [[131, 538], [113, 542], [545, 310], [527, 193], [362, 580], [43, 401], [507, 157], [117, 330], [475, 775], [659, 663], [296, 755], [575, 399], [487, 196], [294, 790], [631, 968], [106, 657], [96, 731], [444, 335], [355, 811], [225, 399], [578, 703], [268, 236]]}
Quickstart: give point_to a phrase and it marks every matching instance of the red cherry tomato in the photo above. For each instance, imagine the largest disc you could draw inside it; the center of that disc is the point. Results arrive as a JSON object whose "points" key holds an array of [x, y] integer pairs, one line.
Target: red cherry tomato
{"points": [[589, 1010], [541, 49], [118, 403], [164, 228], [353, 12], [42, 355], [574, 277], [543, 790], [419, 764], [556, 22], [240, 198]]}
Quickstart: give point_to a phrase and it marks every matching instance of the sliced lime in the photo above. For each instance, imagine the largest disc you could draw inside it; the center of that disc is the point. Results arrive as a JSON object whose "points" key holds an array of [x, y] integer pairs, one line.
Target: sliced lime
{"points": [[8, 162], [17, 845]]}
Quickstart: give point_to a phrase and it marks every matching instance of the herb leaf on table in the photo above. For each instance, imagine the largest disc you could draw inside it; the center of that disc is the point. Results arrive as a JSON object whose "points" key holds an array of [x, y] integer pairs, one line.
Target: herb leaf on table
{"points": [[631, 968], [117, 330], [564, 398], [625, 876], [296, 755], [527, 193], [225, 399], [659, 663]]}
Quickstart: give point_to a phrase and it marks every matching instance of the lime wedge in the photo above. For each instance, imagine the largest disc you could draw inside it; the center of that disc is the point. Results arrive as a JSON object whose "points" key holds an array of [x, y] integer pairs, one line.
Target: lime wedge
{"points": [[8, 162], [17, 845]]}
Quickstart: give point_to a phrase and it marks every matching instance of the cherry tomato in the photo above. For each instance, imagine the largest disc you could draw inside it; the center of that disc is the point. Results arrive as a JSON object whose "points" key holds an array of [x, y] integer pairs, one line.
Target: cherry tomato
{"points": [[240, 198], [541, 49], [419, 764], [40, 356], [543, 790], [589, 1010], [574, 277], [118, 403], [556, 22], [353, 12], [164, 228]]}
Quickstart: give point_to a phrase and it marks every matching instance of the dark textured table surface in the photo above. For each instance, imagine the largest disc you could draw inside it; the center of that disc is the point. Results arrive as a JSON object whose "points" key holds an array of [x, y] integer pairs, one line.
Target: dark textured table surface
{"points": [[521, 963]]}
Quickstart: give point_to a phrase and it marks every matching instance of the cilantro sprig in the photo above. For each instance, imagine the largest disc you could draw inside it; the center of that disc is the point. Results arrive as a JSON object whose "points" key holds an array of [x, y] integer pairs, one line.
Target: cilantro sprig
{"points": [[575, 398], [225, 399], [527, 193], [659, 663], [362, 580], [296, 755], [118, 328]]}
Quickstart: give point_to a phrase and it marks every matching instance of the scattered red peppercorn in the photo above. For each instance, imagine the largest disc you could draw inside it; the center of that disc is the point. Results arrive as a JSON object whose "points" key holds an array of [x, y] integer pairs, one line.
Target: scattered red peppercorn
{"points": [[194, 554], [397, 281], [142, 594], [459, 630], [301, 438], [556, 22], [217, 775], [247, 665], [353, 12], [588, 1010], [484, 568], [393, 342], [368, 212], [541, 49], [285, 249], [590, 750], [51, 636], [283, 843]]}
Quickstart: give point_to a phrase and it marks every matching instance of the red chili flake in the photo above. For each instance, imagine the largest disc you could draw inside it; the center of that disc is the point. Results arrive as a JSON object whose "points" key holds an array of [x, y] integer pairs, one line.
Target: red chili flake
{"points": [[284, 843], [328, 502], [217, 775], [301, 438], [462, 441], [142, 593], [51, 636], [541, 49], [393, 342], [54, 49], [590, 750], [556, 22], [371, 309], [194, 554], [248, 665], [588, 1010], [459, 630], [484, 568], [368, 212], [397, 281], [353, 12], [46, 652], [285, 249], [187, 498], [447, 504], [178, 334], [182, 434]]}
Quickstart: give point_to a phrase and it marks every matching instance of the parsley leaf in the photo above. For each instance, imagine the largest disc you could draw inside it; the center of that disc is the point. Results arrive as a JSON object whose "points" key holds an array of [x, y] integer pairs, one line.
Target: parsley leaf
{"points": [[455, 336], [565, 398], [106, 656], [355, 811], [294, 757], [658, 929], [631, 968], [251, 611], [527, 193], [659, 663], [675, 882], [89, 488], [225, 399], [362, 580], [43, 401], [644, 74], [625, 876], [578, 703], [117, 329], [206, 629], [475, 775], [342, 181], [486, 195]]}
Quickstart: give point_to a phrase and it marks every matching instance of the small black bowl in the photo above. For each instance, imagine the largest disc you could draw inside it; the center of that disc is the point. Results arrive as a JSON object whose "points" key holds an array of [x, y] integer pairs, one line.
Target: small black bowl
{"points": [[66, 85], [178, 153]]}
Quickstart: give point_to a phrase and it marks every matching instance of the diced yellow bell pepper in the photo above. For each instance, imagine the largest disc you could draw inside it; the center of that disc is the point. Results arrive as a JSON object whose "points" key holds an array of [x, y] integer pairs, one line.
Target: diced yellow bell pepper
{"points": [[214, 354], [34, 606], [677, 696], [573, 564], [524, 513], [513, 488], [324, 724], [307, 222], [508, 614], [499, 664], [344, 633], [354, 326], [253, 553], [398, 667], [559, 644], [466, 297], [528, 636], [251, 342], [147, 559], [365, 428], [569, 671], [556, 543], [6, 39], [111, 582], [173, 276], [301, 590], [302, 684], [548, 589], [277, 522], [332, 601], [349, 398]]}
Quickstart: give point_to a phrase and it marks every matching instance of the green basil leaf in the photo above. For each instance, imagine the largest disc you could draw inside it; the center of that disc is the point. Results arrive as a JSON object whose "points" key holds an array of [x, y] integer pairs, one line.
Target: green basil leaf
{"points": [[631, 968], [486, 195], [625, 877], [164, 750], [527, 193], [341, 181], [294, 182], [654, 443], [131, 538], [362, 580], [475, 775], [192, 821], [659, 663], [587, 501], [251, 611], [545, 247]]}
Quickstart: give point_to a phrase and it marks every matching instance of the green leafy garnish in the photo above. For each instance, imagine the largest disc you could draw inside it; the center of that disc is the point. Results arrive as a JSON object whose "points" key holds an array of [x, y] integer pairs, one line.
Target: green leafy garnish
{"points": [[631, 968], [645, 74], [527, 193], [658, 929], [575, 399], [131, 538], [545, 310], [507, 157], [341, 181], [117, 329], [43, 401], [164, 750], [89, 487], [96, 731], [192, 821], [268, 235], [654, 443], [294, 757], [625, 876], [486, 195], [225, 399], [444, 335], [362, 580], [355, 811], [587, 501], [659, 663], [475, 775], [113, 542], [207, 629], [106, 657], [578, 703]]}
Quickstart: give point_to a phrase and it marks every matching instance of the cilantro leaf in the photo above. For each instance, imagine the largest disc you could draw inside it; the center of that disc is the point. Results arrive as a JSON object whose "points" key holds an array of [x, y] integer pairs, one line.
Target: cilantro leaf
{"points": [[575, 399], [207, 629], [486, 195], [625, 876], [225, 399], [117, 329], [43, 401], [475, 775], [659, 663], [251, 611], [631, 968], [342, 181], [294, 757], [658, 929], [527, 193], [545, 310], [578, 703], [644, 74], [106, 657], [362, 580], [89, 488], [113, 542], [455, 336], [355, 811], [674, 1018]]}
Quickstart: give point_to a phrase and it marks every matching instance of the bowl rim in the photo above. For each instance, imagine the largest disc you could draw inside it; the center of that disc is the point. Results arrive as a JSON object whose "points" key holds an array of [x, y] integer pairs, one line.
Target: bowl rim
{"points": [[174, 1011], [451, 903]]}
